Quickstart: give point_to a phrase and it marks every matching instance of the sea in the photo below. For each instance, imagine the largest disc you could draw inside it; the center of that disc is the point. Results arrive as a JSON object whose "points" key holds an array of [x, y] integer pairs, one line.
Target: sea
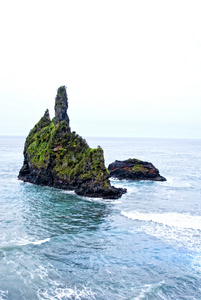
{"points": [[145, 245]]}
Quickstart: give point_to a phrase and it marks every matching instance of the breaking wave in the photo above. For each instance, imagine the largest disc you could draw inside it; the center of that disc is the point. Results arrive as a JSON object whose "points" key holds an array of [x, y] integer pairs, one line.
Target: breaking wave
{"points": [[180, 230]]}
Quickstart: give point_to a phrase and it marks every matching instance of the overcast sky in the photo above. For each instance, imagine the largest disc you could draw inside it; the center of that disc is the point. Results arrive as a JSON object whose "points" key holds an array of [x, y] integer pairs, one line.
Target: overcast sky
{"points": [[132, 68]]}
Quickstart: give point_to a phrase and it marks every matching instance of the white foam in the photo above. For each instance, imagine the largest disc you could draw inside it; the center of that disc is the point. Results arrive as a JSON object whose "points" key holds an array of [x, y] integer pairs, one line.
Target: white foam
{"points": [[3, 294], [91, 199], [66, 293], [94, 199], [171, 219], [179, 230], [16, 242], [35, 243], [69, 192], [150, 290]]}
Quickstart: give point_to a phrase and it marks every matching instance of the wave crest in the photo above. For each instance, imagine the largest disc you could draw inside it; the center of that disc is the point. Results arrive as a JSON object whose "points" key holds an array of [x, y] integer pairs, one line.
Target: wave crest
{"points": [[171, 219]]}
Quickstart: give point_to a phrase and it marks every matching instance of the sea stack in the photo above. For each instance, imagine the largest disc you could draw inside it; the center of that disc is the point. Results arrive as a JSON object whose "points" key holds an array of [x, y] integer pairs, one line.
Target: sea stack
{"points": [[58, 157]]}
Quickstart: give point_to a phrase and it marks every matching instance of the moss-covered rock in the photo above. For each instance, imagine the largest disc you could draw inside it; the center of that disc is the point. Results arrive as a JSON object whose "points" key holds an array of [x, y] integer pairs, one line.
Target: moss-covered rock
{"points": [[56, 156], [134, 169]]}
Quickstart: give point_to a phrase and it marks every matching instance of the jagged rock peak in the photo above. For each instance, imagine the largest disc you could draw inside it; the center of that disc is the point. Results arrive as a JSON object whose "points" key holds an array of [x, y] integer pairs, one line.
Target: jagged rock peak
{"points": [[61, 105], [47, 115], [44, 121]]}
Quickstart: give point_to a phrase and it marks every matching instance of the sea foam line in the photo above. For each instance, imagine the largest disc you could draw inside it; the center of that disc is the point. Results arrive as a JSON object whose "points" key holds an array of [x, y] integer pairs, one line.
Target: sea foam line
{"points": [[180, 220], [35, 243], [66, 293]]}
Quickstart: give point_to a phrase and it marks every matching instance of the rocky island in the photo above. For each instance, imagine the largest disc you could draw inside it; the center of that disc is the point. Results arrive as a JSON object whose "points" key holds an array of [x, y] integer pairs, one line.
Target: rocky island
{"points": [[134, 169], [58, 157]]}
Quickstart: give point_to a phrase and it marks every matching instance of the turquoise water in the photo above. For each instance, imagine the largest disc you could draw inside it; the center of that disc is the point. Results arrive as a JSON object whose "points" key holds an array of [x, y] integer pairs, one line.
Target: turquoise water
{"points": [[146, 245]]}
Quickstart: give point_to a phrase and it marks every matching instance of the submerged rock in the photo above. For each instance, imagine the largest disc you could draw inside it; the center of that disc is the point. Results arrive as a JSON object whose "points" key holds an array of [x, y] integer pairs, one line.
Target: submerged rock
{"points": [[58, 157], [134, 169]]}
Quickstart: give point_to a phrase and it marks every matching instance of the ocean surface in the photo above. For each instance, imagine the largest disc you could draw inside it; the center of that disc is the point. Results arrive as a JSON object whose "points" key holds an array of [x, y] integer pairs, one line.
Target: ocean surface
{"points": [[145, 245]]}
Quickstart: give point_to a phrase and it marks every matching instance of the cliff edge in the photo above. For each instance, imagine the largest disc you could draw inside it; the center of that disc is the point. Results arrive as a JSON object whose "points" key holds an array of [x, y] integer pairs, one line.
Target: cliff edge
{"points": [[58, 157]]}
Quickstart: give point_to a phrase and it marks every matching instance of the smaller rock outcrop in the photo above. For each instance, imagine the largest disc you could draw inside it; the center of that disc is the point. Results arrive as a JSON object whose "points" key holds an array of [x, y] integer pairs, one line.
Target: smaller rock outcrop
{"points": [[134, 169]]}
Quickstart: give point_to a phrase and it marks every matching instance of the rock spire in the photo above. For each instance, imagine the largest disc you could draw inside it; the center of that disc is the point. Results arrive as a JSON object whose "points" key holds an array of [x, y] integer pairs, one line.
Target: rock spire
{"points": [[61, 105], [58, 157]]}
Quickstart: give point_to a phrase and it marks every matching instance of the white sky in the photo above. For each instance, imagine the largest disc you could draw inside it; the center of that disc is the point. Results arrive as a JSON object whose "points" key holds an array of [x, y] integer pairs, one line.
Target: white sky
{"points": [[132, 68]]}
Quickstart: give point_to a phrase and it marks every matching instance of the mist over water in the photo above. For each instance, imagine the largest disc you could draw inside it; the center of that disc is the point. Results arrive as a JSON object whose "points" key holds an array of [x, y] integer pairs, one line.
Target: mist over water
{"points": [[145, 245]]}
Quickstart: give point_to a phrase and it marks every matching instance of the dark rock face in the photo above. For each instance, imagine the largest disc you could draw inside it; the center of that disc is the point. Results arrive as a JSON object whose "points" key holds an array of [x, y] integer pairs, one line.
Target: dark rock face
{"points": [[134, 169], [55, 156], [61, 105]]}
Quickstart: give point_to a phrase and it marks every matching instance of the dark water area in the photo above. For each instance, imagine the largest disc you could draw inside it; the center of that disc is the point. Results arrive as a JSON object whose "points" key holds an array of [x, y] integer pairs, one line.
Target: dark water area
{"points": [[145, 245]]}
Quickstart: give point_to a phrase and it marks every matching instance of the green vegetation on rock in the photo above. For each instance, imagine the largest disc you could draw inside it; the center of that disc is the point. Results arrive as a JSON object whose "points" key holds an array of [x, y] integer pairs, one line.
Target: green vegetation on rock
{"points": [[56, 156], [61, 91], [69, 155], [139, 168]]}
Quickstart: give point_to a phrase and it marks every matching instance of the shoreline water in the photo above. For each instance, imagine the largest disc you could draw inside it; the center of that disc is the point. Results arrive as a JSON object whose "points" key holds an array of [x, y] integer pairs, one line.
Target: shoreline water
{"points": [[145, 245]]}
